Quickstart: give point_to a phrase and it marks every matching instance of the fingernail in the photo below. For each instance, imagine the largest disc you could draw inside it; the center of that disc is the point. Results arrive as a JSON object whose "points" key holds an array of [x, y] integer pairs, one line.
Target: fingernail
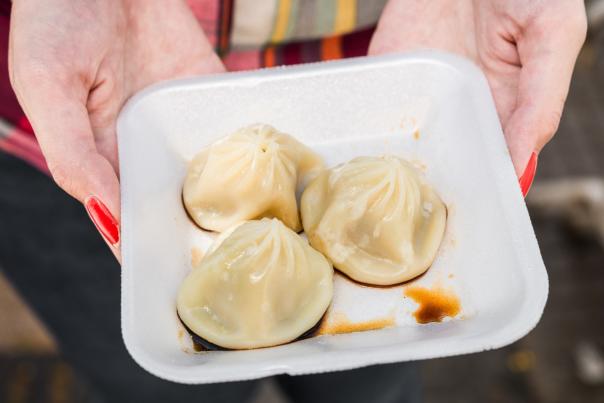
{"points": [[103, 220], [526, 180]]}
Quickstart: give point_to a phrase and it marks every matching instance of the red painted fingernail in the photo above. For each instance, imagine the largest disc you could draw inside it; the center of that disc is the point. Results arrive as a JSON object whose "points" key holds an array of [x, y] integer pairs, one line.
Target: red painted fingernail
{"points": [[103, 220], [526, 180]]}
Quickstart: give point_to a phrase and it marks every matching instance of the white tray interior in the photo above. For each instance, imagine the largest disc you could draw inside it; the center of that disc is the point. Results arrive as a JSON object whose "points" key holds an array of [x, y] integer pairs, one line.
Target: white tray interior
{"points": [[429, 107]]}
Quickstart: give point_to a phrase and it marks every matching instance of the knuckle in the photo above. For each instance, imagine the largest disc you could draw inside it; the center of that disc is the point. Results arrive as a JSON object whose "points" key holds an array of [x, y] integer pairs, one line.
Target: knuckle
{"points": [[577, 23], [550, 124], [61, 174]]}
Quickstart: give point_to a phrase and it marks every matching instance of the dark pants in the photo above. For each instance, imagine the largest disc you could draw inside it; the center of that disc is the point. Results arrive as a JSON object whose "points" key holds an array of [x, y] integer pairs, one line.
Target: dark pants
{"points": [[52, 253]]}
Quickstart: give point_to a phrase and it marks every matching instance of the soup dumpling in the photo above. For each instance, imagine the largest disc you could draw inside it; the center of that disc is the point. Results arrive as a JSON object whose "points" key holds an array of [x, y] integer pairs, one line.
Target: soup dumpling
{"points": [[375, 218], [250, 174], [261, 286]]}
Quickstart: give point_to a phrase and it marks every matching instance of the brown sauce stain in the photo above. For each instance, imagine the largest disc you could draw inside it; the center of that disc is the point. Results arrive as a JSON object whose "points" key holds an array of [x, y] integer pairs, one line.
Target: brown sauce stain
{"points": [[199, 344], [416, 134], [202, 345], [341, 324], [434, 304], [198, 348], [196, 256]]}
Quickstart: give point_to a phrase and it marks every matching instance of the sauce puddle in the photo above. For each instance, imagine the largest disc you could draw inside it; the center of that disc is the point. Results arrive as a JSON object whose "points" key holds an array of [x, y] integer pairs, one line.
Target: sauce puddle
{"points": [[434, 304]]}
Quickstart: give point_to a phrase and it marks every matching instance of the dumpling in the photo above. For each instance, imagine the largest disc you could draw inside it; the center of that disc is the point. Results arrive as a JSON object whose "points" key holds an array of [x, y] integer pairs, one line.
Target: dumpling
{"points": [[261, 286], [252, 173], [375, 219]]}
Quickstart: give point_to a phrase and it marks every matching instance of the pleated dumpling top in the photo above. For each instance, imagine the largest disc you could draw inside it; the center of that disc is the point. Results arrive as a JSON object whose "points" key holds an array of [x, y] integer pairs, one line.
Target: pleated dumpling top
{"points": [[261, 285], [375, 218], [250, 174]]}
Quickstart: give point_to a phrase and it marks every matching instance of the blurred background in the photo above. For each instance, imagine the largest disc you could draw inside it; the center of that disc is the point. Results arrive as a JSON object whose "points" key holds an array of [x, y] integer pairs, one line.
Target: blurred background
{"points": [[561, 360]]}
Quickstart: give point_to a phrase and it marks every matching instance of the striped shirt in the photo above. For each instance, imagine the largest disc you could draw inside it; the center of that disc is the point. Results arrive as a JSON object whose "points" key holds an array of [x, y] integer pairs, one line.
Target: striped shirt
{"points": [[247, 34]]}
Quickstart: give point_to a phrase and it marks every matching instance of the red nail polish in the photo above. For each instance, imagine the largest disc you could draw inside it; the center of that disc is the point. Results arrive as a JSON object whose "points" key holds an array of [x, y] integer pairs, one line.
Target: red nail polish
{"points": [[526, 180], [104, 222]]}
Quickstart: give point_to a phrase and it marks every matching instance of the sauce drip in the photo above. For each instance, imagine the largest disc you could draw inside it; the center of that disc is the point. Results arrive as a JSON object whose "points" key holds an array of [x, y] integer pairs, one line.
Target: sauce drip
{"points": [[434, 305], [341, 324], [197, 347]]}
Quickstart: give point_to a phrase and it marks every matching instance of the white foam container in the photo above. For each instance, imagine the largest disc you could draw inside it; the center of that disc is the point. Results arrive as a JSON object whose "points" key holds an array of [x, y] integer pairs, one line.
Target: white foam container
{"points": [[427, 106]]}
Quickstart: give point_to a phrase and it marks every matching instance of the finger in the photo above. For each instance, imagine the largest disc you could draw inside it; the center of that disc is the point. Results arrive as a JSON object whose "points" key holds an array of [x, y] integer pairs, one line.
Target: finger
{"points": [[547, 57], [56, 109], [105, 223]]}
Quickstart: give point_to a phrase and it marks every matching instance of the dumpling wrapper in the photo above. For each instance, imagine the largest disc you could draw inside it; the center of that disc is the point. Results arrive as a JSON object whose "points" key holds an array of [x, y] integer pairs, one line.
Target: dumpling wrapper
{"points": [[375, 219], [262, 285], [250, 174]]}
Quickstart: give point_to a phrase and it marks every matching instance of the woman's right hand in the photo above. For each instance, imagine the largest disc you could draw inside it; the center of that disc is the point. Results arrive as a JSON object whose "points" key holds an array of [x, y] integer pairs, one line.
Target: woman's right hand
{"points": [[74, 63]]}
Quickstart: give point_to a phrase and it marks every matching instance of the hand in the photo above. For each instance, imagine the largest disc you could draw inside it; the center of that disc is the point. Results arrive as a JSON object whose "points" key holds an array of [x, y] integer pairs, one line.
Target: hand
{"points": [[527, 50], [74, 63]]}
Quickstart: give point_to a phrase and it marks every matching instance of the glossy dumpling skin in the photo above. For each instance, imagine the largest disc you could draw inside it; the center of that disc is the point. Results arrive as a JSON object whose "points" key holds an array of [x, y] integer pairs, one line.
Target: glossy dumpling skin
{"points": [[250, 174], [375, 218], [263, 285]]}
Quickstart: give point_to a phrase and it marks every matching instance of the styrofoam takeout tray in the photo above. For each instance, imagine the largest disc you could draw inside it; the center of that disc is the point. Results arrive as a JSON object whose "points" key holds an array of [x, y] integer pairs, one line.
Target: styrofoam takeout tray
{"points": [[429, 107]]}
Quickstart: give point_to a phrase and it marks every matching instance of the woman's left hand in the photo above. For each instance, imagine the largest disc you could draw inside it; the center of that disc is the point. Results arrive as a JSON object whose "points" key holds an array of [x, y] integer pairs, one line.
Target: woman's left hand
{"points": [[527, 50]]}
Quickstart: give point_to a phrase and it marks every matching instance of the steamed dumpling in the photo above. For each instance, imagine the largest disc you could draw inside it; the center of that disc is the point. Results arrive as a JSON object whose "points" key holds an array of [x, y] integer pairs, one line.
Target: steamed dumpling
{"points": [[261, 286], [252, 173], [375, 219]]}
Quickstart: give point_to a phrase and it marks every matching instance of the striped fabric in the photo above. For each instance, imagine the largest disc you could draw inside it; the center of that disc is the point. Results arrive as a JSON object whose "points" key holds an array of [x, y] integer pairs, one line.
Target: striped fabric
{"points": [[248, 34], [258, 23]]}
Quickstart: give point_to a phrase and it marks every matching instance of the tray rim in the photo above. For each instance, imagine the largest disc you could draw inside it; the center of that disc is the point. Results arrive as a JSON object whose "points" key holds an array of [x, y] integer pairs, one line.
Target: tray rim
{"points": [[535, 277]]}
